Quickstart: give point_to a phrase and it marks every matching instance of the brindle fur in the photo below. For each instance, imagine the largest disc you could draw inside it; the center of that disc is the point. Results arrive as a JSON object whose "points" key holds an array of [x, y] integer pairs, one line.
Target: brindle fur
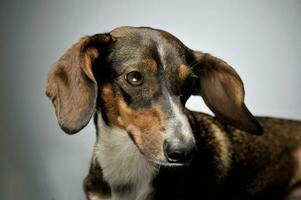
{"points": [[262, 167], [228, 163]]}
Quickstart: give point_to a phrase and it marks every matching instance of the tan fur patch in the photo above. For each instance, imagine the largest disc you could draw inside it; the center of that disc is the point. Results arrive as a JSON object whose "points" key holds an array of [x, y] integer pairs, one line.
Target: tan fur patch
{"points": [[145, 126], [297, 177], [110, 101], [183, 71], [223, 144], [150, 64]]}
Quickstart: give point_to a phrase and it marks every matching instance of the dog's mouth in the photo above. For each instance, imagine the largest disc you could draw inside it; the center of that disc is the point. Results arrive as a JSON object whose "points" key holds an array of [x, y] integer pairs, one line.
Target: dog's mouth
{"points": [[166, 163], [169, 164]]}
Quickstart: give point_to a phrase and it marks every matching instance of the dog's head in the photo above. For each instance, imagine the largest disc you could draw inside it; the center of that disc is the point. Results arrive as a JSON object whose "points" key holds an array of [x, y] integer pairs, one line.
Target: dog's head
{"points": [[139, 79]]}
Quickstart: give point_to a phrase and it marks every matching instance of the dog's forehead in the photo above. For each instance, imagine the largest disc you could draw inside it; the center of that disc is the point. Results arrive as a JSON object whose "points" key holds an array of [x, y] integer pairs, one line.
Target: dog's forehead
{"points": [[134, 44], [146, 33]]}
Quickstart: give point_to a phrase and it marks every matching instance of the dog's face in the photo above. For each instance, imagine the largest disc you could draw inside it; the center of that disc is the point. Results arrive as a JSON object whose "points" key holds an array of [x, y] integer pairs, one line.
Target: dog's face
{"points": [[139, 79]]}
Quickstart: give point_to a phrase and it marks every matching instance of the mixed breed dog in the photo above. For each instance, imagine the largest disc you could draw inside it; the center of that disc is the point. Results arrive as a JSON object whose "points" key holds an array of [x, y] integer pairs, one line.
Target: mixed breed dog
{"points": [[135, 82]]}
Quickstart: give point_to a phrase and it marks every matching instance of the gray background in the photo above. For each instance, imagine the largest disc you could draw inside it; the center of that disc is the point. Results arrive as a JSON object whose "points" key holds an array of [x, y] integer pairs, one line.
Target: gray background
{"points": [[261, 39]]}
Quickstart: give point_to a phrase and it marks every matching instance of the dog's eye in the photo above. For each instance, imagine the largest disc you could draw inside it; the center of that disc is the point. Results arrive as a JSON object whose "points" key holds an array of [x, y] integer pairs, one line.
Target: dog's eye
{"points": [[134, 78]]}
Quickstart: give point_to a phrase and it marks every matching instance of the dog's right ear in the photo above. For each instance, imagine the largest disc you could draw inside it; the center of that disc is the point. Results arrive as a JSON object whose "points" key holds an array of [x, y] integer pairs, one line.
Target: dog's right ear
{"points": [[72, 86]]}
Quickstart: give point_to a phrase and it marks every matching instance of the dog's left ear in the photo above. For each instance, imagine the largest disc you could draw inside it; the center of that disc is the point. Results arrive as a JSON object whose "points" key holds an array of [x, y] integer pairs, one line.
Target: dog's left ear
{"points": [[223, 92]]}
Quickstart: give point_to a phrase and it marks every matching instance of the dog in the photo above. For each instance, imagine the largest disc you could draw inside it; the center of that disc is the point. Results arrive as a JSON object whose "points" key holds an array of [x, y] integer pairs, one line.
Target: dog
{"points": [[135, 82]]}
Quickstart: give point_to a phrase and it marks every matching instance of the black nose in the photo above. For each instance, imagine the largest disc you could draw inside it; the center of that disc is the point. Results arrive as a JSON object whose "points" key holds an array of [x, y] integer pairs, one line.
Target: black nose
{"points": [[178, 152]]}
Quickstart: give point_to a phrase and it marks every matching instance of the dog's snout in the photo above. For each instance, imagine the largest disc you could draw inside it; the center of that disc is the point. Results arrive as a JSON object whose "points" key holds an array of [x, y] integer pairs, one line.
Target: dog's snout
{"points": [[178, 151]]}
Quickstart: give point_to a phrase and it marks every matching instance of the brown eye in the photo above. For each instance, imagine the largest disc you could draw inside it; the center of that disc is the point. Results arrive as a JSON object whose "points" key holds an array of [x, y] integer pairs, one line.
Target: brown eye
{"points": [[134, 78]]}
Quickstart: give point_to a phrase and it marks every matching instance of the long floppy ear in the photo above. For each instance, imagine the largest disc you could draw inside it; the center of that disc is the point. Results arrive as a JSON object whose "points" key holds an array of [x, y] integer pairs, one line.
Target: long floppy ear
{"points": [[223, 92], [71, 84]]}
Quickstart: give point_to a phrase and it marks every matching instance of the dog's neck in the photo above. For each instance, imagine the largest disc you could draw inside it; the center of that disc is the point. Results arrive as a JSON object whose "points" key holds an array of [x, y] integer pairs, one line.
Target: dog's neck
{"points": [[126, 170]]}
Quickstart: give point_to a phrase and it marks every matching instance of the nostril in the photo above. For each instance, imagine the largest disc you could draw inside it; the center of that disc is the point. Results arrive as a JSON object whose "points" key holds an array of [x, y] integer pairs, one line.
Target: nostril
{"points": [[177, 152], [175, 155]]}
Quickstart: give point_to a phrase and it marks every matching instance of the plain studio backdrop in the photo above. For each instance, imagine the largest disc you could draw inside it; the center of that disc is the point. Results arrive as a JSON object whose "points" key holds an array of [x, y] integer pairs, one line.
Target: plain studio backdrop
{"points": [[260, 39]]}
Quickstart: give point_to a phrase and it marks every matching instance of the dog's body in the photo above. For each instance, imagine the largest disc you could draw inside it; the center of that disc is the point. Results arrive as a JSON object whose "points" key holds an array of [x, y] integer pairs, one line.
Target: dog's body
{"points": [[229, 164], [149, 146]]}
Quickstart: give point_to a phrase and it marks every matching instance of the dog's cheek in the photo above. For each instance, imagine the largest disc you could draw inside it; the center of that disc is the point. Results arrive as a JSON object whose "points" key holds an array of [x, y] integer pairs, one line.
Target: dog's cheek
{"points": [[150, 136], [110, 103], [153, 144], [145, 127]]}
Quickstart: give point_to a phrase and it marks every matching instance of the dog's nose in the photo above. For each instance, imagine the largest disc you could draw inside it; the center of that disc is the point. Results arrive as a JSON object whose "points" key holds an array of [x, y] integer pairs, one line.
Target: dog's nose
{"points": [[178, 152]]}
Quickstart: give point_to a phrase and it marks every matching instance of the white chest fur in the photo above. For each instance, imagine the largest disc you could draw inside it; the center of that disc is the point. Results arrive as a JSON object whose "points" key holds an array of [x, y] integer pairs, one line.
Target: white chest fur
{"points": [[122, 163]]}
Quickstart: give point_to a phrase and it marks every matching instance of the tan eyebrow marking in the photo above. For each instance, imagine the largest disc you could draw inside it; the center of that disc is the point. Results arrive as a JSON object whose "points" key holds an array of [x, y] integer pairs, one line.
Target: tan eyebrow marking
{"points": [[183, 71], [150, 64]]}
